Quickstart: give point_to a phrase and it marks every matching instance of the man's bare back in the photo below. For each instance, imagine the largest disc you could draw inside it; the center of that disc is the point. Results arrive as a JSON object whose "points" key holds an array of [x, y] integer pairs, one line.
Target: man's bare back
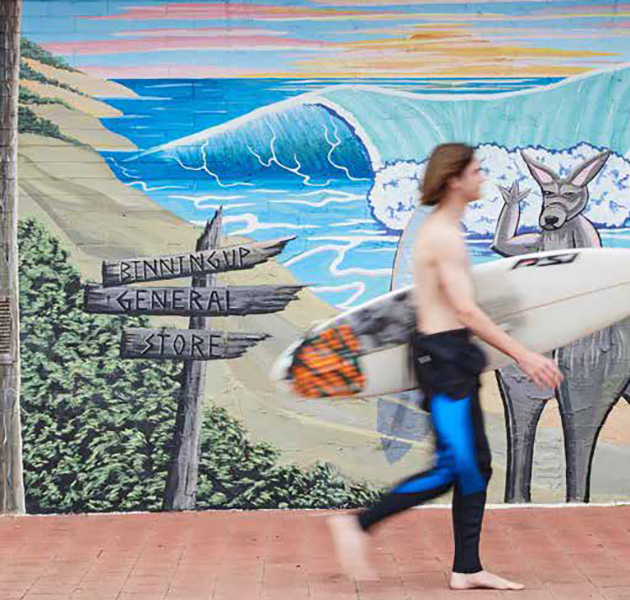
{"points": [[434, 311]]}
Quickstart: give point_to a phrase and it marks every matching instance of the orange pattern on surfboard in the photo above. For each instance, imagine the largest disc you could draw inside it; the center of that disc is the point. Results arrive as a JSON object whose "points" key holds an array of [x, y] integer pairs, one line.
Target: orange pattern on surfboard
{"points": [[327, 365]]}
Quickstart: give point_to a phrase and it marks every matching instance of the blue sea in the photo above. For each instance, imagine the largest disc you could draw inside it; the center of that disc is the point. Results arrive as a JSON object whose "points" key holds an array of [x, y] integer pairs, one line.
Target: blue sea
{"points": [[325, 161]]}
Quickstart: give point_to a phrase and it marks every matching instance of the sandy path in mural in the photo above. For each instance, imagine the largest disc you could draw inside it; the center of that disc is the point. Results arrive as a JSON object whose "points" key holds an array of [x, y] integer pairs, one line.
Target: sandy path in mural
{"points": [[74, 193]]}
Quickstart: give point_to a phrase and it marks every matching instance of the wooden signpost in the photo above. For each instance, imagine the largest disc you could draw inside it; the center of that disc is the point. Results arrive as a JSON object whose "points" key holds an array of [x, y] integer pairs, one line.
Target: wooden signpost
{"points": [[202, 262], [217, 301], [186, 344], [197, 344]]}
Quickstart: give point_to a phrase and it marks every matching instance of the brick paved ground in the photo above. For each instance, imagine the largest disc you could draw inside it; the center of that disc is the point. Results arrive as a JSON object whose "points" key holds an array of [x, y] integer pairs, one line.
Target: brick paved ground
{"points": [[560, 553]]}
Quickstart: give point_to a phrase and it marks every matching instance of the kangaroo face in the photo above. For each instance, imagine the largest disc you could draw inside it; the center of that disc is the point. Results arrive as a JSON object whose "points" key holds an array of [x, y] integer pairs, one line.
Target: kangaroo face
{"points": [[564, 199]]}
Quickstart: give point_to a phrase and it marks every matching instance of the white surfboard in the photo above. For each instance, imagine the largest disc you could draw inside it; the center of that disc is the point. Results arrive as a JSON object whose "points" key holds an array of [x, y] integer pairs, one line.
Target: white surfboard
{"points": [[545, 300]]}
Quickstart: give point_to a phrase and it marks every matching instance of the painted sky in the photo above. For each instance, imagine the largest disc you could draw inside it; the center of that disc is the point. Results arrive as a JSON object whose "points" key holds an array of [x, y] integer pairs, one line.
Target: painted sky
{"points": [[332, 38]]}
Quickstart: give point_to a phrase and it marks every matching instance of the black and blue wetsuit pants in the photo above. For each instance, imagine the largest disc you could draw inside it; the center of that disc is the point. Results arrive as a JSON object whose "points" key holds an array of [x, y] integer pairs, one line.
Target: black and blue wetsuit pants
{"points": [[448, 365]]}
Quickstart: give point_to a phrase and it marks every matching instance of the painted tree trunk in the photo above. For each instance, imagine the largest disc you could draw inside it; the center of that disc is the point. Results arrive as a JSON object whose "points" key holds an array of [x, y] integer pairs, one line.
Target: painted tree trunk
{"points": [[11, 479]]}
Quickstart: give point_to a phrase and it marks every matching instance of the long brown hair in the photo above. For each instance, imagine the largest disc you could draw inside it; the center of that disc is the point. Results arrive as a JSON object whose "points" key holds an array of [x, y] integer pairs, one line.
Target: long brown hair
{"points": [[446, 161]]}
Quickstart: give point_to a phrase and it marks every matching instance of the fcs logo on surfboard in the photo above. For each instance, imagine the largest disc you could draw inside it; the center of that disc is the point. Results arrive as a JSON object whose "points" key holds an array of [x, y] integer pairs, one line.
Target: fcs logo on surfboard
{"points": [[546, 261]]}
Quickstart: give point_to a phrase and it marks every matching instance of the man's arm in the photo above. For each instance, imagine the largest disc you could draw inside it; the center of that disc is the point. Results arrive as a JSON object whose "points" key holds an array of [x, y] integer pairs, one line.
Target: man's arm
{"points": [[456, 282]]}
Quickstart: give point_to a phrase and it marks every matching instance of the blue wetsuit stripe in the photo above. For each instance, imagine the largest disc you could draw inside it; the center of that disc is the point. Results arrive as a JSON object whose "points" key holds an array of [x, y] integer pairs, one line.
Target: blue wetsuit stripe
{"points": [[457, 460], [453, 421]]}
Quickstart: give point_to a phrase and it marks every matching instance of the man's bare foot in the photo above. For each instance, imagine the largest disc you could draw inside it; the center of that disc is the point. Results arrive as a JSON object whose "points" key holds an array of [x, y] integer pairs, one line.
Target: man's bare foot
{"points": [[351, 547], [483, 579]]}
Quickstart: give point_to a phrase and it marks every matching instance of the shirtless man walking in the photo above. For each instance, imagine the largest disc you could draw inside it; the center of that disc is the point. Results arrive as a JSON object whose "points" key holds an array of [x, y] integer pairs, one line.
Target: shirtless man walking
{"points": [[448, 364]]}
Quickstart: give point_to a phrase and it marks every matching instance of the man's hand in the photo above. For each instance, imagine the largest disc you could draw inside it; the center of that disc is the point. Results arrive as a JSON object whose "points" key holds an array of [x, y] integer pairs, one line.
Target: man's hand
{"points": [[543, 371]]}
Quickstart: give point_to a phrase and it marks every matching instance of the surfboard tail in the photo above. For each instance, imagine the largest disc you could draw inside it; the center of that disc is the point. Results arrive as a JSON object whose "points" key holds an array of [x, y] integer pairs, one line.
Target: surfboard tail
{"points": [[325, 365]]}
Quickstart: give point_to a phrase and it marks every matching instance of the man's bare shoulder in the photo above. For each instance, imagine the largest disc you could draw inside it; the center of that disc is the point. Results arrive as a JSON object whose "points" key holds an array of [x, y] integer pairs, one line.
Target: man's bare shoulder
{"points": [[437, 232]]}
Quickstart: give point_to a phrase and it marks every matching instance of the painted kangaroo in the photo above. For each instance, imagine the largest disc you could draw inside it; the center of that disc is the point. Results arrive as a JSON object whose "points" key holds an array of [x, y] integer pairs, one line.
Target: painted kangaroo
{"points": [[596, 368]]}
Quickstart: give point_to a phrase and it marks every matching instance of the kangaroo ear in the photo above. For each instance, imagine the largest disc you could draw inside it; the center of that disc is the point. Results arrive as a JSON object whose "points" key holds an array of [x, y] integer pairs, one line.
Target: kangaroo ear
{"points": [[542, 174], [584, 173]]}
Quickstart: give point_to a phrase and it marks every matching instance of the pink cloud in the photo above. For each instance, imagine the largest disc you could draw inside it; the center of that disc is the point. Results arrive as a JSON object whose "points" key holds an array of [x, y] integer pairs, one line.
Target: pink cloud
{"points": [[222, 32], [618, 24], [187, 42], [229, 10]]}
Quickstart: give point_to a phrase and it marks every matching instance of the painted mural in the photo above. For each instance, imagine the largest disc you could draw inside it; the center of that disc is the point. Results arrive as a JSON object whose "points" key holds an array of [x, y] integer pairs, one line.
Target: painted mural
{"points": [[312, 120]]}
